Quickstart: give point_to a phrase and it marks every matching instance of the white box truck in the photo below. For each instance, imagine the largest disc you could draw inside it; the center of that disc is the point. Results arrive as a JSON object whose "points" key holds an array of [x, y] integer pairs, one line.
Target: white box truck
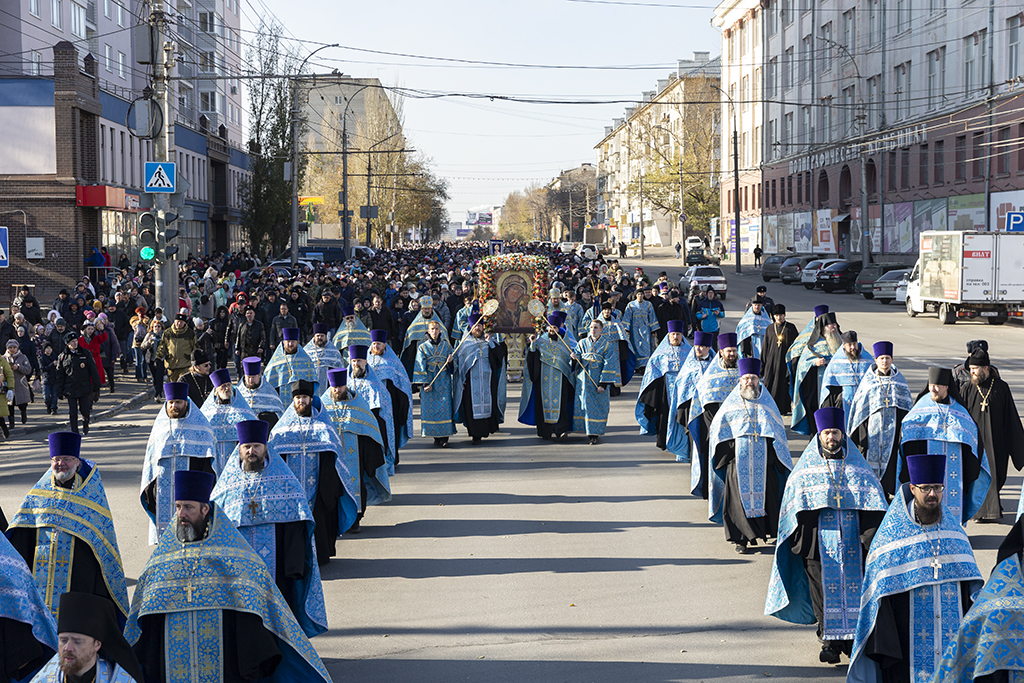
{"points": [[968, 274]]}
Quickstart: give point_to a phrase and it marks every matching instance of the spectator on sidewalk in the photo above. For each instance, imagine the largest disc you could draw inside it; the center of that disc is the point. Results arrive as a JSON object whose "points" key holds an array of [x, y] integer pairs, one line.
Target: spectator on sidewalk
{"points": [[176, 347], [139, 325], [6, 393], [110, 350], [22, 370], [708, 312], [757, 256], [679, 250], [48, 370], [149, 346]]}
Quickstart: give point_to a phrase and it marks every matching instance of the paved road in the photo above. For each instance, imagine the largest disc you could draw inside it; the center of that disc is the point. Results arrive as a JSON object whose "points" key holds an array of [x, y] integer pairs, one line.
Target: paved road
{"points": [[521, 560]]}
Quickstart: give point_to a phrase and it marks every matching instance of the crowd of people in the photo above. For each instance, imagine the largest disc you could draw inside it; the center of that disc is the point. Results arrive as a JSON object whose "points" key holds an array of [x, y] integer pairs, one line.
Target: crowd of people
{"points": [[288, 398]]}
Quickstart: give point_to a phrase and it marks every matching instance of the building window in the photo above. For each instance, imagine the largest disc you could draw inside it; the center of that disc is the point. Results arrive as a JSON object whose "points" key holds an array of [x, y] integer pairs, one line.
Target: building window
{"points": [[36, 63], [771, 76], [743, 38], [849, 30], [805, 58], [57, 14], [825, 125], [892, 170], [106, 8], [923, 167], [77, 20], [805, 125], [773, 18], [787, 132], [1003, 151], [732, 45], [936, 77], [774, 197], [901, 91], [1020, 149], [905, 169], [120, 15], [874, 22], [207, 101], [960, 162], [939, 159], [108, 58], [974, 63], [745, 94], [849, 100], [33, 8], [800, 190], [787, 12], [935, 6], [789, 190], [977, 156], [826, 46], [902, 15], [206, 22], [787, 67], [1013, 63]]}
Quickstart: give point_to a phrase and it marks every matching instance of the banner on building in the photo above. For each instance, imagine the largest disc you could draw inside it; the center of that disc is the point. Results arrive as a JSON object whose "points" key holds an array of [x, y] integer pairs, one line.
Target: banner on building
{"points": [[770, 234], [824, 234], [966, 212], [803, 232], [785, 233]]}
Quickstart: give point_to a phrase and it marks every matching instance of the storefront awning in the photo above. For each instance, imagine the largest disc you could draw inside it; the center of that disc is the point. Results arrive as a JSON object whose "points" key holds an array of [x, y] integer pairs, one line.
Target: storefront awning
{"points": [[840, 218]]}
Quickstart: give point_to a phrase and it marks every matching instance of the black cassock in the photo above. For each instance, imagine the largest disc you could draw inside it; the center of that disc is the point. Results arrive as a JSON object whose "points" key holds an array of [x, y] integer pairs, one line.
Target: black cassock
{"points": [[738, 527], [325, 507], [566, 400], [484, 427], [399, 409], [704, 443], [1000, 435], [250, 651], [774, 368]]}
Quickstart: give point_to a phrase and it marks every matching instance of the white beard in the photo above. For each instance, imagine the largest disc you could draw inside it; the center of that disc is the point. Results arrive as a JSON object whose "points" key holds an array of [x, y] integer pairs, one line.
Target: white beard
{"points": [[834, 340], [750, 393]]}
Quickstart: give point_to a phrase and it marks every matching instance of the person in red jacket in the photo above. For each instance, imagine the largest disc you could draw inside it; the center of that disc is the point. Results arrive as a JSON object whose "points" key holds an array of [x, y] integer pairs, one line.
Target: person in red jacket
{"points": [[93, 342]]}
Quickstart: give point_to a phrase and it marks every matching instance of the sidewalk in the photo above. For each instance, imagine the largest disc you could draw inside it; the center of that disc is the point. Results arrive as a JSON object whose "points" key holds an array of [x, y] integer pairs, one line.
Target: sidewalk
{"points": [[129, 394]]}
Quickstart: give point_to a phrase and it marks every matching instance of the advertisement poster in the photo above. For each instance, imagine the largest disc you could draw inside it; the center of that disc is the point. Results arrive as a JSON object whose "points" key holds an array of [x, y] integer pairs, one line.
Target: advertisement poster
{"points": [[1003, 202], [966, 212], [824, 235], [899, 232], [803, 232], [751, 236], [785, 232], [874, 224], [769, 234], [929, 214]]}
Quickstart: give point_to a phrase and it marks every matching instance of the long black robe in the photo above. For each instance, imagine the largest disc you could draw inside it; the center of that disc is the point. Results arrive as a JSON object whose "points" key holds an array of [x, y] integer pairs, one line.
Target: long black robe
{"points": [[483, 427], [371, 457], [250, 651], [804, 544], [738, 527], [774, 368], [566, 400], [657, 409], [329, 490], [1000, 435], [20, 652], [400, 411], [809, 393], [199, 387]]}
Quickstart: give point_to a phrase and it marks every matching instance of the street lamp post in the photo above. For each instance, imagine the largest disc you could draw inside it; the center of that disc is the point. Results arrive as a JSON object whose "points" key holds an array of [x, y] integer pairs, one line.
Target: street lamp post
{"points": [[295, 154], [736, 169], [369, 157]]}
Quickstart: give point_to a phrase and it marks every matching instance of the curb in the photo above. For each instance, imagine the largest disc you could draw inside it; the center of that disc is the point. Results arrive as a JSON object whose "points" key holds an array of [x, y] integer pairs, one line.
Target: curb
{"points": [[126, 404]]}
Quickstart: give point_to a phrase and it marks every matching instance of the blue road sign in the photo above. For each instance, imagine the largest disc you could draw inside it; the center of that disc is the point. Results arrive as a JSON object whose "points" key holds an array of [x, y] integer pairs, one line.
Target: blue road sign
{"points": [[1015, 221], [161, 176], [5, 253]]}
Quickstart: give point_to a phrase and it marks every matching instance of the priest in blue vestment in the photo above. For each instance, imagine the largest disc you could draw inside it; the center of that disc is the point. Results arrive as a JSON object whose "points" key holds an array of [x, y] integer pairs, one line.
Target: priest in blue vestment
{"points": [[713, 387], [843, 374], [362, 444], [548, 384], [668, 387], [261, 397], [824, 341], [987, 646], [324, 354], [751, 328], [259, 493], [642, 323], [750, 459], [364, 381], [598, 371], [182, 439], [206, 607], [392, 374], [290, 363], [831, 509], [919, 580], [879, 406], [92, 647], [432, 372], [618, 336], [351, 332], [307, 441], [938, 423], [800, 343], [225, 408], [28, 631], [478, 382], [416, 333], [65, 530]]}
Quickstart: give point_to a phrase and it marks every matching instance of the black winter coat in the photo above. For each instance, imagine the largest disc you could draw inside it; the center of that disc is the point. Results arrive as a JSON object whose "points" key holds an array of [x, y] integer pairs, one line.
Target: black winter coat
{"points": [[77, 375]]}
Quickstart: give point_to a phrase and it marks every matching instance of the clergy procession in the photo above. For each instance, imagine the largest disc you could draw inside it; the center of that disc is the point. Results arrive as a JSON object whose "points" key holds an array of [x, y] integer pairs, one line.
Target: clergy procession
{"points": [[250, 483]]}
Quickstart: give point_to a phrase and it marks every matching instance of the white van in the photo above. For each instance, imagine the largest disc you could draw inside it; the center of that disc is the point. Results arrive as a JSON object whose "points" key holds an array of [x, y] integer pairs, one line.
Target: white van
{"points": [[694, 243]]}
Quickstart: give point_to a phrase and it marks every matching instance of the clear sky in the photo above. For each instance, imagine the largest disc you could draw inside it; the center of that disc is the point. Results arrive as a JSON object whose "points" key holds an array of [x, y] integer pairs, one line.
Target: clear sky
{"points": [[488, 148]]}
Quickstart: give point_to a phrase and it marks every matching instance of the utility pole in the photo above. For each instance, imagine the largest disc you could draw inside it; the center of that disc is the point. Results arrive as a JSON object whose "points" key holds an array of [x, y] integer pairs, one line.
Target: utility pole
{"points": [[369, 161], [345, 225], [736, 186], [165, 270]]}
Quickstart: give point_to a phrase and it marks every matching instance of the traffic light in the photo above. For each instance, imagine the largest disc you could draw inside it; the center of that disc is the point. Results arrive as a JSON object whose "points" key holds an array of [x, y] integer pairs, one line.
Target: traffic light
{"points": [[167, 250], [148, 225]]}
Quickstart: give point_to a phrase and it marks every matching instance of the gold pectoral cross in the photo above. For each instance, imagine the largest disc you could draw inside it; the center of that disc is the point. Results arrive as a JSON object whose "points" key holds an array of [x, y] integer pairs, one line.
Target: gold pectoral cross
{"points": [[984, 404], [253, 507], [838, 498], [188, 591]]}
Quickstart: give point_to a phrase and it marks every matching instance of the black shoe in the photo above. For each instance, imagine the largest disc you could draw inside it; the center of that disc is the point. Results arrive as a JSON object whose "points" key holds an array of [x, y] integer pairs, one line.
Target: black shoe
{"points": [[354, 529], [592, 440], [829, 654], [477, 440], [85, 429], [741, 548]]}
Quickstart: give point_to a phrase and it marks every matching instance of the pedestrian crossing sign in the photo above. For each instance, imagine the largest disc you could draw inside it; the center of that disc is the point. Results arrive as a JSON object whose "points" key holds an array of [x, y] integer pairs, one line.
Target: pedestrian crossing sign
{"points": [[5, 259], [160, 176]]}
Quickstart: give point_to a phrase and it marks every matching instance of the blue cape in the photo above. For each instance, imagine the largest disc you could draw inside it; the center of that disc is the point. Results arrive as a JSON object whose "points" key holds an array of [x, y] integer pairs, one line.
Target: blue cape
{"points": [[714, 386], [20, 598], [354, 418]]}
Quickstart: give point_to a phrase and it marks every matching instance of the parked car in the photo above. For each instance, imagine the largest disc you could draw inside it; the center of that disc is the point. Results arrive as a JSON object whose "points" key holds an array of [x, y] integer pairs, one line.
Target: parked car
{"points": [[809, 274], [793, 267], [870, 273], [841, 275], [697, 257], [694, 243], [587, 251], [771, 266], [884, 288], [704, 276], [566, 247], [901, 286]]}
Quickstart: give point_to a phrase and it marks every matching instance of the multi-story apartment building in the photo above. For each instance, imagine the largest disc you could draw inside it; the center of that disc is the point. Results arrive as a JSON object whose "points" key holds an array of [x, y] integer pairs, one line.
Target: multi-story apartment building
{"points": [[327, 102], [920, 97], [743, 125], [649, 135], [71, 171]]}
